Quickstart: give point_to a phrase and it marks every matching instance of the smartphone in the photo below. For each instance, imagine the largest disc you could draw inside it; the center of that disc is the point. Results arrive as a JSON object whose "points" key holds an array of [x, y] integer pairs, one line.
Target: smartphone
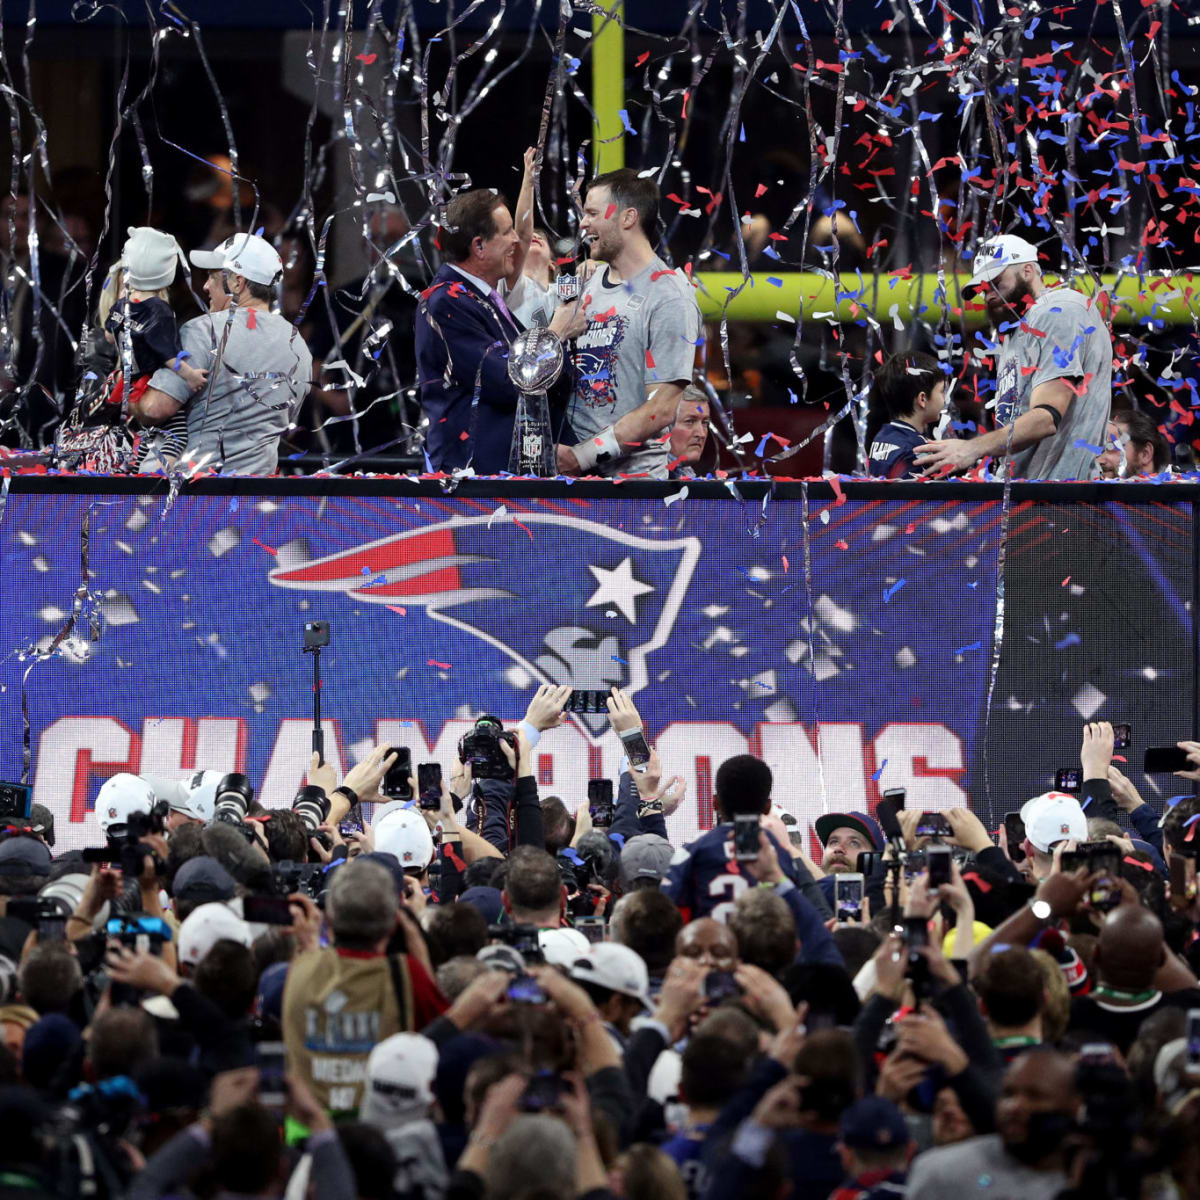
{"points": [[746, 828], [545, 1090], [1068, 779], [719, 986], [933, 824], [916, 932], [595, 929], [1095, 856], [937, 862], [1179, 880], [637, 749], [600, 802], [587, 700], [848, 897], [1193, 1037], [1122, 736], [1014, 835], [1099, 1054], [524, 989], [267, 910], [271, 1058], [897, 796], [429, 786], [348, 828], [1160, 760], [395, 782]]}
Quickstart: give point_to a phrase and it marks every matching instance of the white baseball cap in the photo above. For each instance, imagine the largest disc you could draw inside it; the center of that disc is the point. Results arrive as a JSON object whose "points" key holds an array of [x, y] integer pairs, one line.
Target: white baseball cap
{"points": [[995, 254], [254, 258], [120, 796], [615, 967], [198, 794], [403, 832], [1051, 818], [214, 259], [208, 925], [562, 947], [400, 1074], [150, 258]]}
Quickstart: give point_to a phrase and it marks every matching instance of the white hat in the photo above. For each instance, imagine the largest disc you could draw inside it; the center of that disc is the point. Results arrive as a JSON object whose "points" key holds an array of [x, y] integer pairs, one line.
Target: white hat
{"points": [[997, 253], [404, 833], [254, 258], [1051, 818], [400, 1073], [208, 925], [120, 796], [198, 794], [150, 258], [214, 259], [561, 947], [615, 967]]}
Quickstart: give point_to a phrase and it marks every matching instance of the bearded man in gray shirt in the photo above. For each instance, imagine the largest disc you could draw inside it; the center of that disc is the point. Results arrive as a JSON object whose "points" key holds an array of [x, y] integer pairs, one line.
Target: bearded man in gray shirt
{"points": [[265, 369], [636, 355], [1053, 372]]}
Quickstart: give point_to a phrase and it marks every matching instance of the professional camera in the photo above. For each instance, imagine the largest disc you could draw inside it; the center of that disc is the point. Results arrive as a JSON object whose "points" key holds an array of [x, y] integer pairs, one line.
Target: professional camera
{"points": [[311, 805], [289, 878], [233, 798], [524, 939], [481, 748], [127, 850]]}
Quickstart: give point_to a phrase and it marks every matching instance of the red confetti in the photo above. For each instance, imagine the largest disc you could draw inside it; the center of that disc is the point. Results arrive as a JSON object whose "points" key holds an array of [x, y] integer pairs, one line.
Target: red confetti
{"points": [[649, 360], [686, 94], [641, 58], [758, 191], [268, 549], [659, 274], [1137, 862], [397, 609], [836, 484], [524, 527], [841, 545], [1065, 581], [433, 662], [785, 563], [251, 320], [366, 59], [609, 211]]}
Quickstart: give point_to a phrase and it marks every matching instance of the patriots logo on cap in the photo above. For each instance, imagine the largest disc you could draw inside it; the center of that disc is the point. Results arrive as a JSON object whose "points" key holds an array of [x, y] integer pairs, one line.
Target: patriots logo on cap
{"points": [[599, 602]]}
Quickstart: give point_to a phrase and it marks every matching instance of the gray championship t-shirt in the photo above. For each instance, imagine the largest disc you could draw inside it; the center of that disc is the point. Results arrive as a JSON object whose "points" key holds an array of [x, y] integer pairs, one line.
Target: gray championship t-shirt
{"points": [[235, 422], [1060, 338], [641, 332], [980, 1167]]}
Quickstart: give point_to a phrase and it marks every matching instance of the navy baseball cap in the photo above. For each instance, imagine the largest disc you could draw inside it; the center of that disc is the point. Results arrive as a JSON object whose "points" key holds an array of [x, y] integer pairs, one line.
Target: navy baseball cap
{"points": [[873, 1123], [202, 879], [863, 822]]}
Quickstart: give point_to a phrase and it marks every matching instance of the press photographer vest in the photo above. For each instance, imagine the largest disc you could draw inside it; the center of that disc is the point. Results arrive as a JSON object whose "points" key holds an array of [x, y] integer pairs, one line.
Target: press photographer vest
{"points": [[337, 1005]]}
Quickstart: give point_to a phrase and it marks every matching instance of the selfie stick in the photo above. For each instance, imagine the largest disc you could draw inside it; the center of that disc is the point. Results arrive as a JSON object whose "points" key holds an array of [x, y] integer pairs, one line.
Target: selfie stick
{"points": [[318, 733]]}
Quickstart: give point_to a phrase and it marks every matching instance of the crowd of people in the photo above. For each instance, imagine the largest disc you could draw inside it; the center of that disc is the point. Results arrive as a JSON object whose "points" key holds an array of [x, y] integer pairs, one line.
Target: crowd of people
{"points": [[481, 991], [399, 359]]}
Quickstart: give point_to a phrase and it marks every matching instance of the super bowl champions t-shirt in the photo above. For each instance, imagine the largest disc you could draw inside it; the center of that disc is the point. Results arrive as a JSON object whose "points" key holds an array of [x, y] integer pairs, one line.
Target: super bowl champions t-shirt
{"points": [[640, 332], [891, 455], [1061, 337]]}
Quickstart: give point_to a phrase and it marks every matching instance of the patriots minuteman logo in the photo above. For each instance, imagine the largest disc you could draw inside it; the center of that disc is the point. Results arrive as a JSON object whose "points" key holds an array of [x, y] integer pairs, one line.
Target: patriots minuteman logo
{"points": [[571, 601]]}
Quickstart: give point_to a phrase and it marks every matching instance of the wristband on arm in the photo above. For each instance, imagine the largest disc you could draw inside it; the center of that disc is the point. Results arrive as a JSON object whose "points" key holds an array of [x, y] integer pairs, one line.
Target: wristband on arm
{"points": [[1055, 415], [599, 450]]}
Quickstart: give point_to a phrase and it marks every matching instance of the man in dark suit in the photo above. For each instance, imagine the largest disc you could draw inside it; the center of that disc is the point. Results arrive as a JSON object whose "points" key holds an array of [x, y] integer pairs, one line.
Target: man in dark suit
{"points": [[463, 332]]}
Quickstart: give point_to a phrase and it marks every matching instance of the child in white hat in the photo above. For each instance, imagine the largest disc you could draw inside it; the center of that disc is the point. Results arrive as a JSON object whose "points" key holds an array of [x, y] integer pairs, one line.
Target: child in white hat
{"points": [[149, 261]]}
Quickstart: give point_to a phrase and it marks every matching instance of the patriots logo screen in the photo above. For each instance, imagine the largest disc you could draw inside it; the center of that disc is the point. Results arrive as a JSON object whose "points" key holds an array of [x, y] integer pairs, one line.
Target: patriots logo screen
{"points": [[854, 655]]}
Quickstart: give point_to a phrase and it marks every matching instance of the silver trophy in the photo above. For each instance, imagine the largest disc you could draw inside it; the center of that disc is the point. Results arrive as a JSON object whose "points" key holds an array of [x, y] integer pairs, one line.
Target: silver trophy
{"points": [[535, 361]]}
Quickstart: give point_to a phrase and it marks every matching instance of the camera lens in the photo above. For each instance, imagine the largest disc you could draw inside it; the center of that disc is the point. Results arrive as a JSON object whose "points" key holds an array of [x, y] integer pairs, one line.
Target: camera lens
{"points": [[234, 794], [311, 806]]}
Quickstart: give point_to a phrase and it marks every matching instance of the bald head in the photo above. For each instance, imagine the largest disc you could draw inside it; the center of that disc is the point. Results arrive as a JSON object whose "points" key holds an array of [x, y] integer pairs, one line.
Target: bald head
{"points": [[1130, 949], [710, 942]]}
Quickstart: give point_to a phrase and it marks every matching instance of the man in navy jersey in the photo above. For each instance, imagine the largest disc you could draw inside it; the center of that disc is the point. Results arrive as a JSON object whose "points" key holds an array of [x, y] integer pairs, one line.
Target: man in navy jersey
{"points": [[706, 879], [905, 404]]}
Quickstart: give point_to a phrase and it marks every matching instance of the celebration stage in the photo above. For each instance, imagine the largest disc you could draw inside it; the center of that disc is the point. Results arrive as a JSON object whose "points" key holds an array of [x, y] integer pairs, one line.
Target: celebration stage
{"points": [[943, 638]]}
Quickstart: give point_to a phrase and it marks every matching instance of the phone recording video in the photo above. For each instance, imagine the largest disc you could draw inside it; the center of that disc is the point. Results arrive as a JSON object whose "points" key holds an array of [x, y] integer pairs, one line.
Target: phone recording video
{"points": [[637, 749], [933, 824], [600, 802], [719, 986], [1068, 779], [938, 863], [271, 1059], [1122, 736], [595, 929], [1164, 760], [429, 786], [1193, 1037], [848, 897], [586, 700], [1014, 836], [745, 836], [267, 910]]}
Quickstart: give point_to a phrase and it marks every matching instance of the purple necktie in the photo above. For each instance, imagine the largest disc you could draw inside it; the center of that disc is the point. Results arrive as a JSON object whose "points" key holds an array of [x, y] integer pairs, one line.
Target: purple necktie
{"points": [[498, 301]]}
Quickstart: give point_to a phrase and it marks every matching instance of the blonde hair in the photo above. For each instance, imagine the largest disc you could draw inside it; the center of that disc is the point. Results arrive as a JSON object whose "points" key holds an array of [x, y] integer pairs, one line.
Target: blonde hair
{"points": [[114, 284], [1056, 1011], [649, 1174]]}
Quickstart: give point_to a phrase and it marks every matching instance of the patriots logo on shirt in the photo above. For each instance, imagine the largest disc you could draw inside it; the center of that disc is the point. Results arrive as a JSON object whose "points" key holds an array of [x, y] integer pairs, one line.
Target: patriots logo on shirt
{"points": [[596, 353], [591, 608]]}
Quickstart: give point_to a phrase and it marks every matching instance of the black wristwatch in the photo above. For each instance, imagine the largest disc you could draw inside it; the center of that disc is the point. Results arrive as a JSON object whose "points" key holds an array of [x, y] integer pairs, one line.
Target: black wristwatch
{"points": [[348, 792]]}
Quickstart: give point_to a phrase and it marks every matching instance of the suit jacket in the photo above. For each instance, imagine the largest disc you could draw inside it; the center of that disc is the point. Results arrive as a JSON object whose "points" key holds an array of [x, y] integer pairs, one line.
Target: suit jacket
{"points": [[461, 336]]}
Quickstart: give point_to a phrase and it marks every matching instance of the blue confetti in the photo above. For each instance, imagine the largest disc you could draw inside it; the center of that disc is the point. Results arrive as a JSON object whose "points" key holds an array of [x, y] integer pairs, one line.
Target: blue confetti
{"points": [[366, 570], [972, 646], [233, 504], [1072, 639], [774, 282], [1174, 800], [629, 129], [875, 777], [620, 660], [1083, 444], [890, 592]]}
